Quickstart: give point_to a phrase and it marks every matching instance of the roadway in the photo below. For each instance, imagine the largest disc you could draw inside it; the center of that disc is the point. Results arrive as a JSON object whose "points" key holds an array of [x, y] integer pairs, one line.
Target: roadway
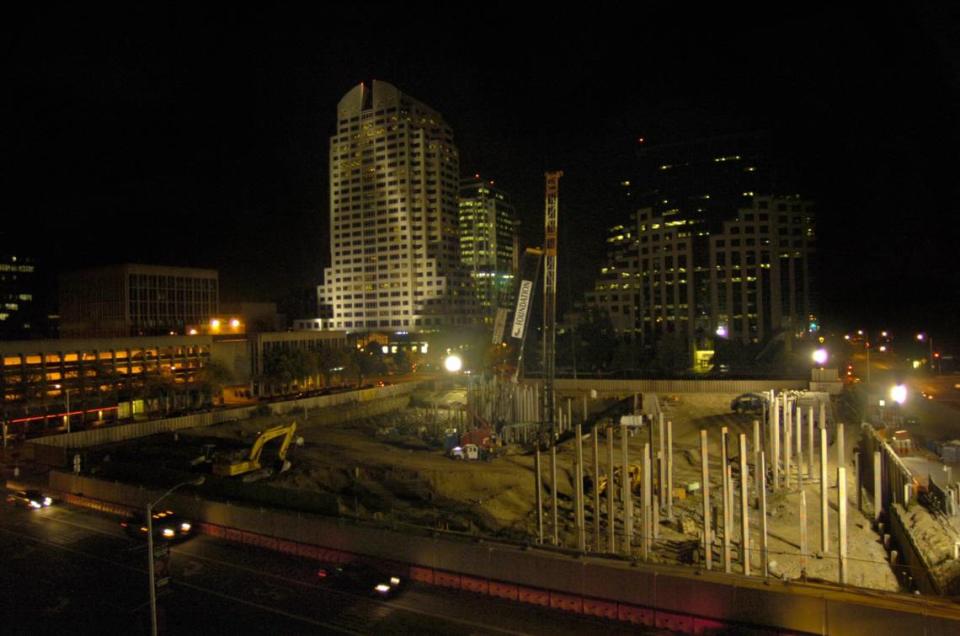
{"points": [[67, 568]]}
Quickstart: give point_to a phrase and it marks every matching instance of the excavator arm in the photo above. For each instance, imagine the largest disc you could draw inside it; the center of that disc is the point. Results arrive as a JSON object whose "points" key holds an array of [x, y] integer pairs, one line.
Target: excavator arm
{"points": [[229, 468]]}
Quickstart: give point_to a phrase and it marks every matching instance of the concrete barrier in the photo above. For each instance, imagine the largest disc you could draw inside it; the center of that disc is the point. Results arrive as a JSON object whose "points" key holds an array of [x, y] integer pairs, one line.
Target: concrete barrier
{"points": [[533, 595], [474, 584], [601, 609], [680, 623], [679, 599], [502, 590], [566, 602], [446, 579], [635, 615]]}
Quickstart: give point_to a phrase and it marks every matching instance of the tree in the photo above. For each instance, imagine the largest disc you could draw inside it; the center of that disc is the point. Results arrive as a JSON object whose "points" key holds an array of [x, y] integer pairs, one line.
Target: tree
{"points": [[671, 354], [161, 388], [401, 362], [597, 342], [212, 378], [328, 359], [288, 367], [368, 361], [350, 361]]}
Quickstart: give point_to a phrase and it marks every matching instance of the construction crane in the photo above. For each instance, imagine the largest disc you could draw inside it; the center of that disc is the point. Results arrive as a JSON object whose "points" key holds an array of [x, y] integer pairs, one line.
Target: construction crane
{"points": [[250, 462], [550, 329], [550, 297]]}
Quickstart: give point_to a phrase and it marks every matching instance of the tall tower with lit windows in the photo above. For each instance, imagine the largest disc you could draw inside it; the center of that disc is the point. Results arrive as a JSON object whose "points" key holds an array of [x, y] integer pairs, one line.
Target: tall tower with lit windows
{"points": [[488, 242], [717, 244], [394, 235]]}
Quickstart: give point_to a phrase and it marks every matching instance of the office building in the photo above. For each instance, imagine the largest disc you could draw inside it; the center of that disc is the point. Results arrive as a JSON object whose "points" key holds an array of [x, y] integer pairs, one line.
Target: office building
{"points": [[393, 217], [18, 297], [45, 383], [489, 243], [135, 300], [710, 249]]}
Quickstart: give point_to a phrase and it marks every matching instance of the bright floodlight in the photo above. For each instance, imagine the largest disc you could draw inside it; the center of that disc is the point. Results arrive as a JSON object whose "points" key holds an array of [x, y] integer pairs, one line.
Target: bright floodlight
{"points": [[722, 331], [899, 394], [453, 363], [820, 356]]}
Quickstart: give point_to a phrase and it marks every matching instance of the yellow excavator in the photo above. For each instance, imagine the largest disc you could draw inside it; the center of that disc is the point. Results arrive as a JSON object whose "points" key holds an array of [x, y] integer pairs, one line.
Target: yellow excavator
{"points": [[635, 472], [249, 462]]}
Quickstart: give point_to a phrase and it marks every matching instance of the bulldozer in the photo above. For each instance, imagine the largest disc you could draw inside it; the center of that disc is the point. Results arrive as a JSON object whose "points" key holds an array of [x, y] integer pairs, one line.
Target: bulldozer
{"points": [[230, 466]]}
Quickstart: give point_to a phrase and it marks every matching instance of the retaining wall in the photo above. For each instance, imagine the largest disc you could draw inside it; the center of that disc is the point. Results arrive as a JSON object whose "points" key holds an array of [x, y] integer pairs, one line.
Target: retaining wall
{"points": [[628, 387], [911, 554], [675, 598], [52, 450]]}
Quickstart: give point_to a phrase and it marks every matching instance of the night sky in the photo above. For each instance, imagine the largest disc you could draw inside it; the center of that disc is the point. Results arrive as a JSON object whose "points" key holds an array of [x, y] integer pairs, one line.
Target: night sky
{"points": [[199, 136]]}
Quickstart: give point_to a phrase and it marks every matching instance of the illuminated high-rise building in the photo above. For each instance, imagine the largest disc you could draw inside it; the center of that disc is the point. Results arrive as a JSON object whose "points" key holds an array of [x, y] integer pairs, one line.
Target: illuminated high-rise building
{"points": [[717, 244], [393, 217], [488, 242], [18, 285]]}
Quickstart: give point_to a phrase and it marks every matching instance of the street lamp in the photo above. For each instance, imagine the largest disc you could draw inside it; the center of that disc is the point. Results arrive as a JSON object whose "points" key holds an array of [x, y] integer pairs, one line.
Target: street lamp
{"points": [[453, 363], [924, 336], [820, 357], [66, 397], [153, 588]]}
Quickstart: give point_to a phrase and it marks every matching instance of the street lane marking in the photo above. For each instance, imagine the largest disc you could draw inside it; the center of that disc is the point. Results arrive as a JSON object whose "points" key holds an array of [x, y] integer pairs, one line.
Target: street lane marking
{"points": [[184, 584], [259, 573]]}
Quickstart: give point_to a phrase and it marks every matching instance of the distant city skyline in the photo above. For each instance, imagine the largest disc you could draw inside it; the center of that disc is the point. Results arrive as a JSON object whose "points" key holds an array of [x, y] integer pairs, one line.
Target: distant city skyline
{"points": [[199, 140]]}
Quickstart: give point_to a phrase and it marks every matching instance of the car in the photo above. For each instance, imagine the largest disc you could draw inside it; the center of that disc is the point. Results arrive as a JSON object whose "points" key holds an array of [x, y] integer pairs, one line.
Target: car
{"points": [[167, 525], [362, 578], [29, 499], [747, 403]]}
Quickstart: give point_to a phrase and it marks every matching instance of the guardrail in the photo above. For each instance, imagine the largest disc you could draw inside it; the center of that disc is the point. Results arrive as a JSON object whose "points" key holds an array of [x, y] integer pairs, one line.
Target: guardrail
{"points": [[666, 597]]}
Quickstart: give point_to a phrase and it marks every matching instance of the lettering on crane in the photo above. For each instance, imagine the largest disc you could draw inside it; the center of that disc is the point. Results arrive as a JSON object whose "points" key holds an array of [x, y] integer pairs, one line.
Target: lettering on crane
{"points": [[523, 306]]}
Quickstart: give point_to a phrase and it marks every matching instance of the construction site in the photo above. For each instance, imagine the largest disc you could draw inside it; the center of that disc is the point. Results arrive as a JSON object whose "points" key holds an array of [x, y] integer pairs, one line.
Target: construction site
{"points": [[408, 462], [753, 491]]}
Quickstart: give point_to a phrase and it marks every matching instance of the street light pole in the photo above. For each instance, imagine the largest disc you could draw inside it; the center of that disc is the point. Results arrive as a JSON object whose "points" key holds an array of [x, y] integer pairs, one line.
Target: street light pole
{"points": [[66, 403], [868, 362], [150, 566]]}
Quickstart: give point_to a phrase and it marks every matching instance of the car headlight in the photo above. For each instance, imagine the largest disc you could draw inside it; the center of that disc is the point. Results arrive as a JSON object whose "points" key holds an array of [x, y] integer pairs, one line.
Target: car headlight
{"points": [[185, 527], [394, 580], [34, 504], [168, 532], [47, 501], [383, 588]]}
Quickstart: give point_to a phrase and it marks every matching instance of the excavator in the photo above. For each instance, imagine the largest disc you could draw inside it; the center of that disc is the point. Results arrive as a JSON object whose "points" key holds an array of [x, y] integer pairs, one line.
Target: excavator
{"points": [[249, 462]]}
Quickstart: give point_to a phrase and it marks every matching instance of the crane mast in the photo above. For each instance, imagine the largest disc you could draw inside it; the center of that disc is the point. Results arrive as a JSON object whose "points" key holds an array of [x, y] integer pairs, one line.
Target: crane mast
{"points": [[550, 331], [550, 299]]}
